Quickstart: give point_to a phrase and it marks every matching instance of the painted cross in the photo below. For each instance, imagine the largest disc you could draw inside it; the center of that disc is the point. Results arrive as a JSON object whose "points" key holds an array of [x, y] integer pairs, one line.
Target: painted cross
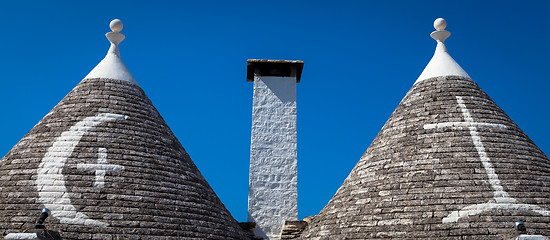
{"points": [[100, 168], [501, 200]]}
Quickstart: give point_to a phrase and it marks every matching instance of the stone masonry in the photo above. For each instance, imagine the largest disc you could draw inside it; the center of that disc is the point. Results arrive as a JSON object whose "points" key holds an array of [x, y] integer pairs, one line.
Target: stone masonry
{"points": [[448, 164], [108, 167], [273, 191]]}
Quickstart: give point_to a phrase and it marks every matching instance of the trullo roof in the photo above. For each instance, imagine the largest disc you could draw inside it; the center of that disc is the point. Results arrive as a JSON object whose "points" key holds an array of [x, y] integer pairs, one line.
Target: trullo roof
{"points": [[108, 167], [448, 164]]}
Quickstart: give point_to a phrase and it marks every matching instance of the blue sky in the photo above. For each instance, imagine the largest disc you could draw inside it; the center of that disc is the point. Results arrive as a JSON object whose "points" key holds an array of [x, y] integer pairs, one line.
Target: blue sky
{"points": [[361, 57]]}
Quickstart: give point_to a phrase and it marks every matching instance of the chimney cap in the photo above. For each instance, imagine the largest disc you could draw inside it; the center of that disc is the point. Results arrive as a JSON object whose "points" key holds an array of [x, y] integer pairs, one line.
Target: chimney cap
{"points": [[276, 68]]}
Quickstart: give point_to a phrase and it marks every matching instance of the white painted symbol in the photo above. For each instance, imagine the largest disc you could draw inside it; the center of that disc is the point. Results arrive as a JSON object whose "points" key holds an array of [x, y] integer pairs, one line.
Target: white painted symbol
{"points": [[501, 199], [100, 168], [50, 181]]}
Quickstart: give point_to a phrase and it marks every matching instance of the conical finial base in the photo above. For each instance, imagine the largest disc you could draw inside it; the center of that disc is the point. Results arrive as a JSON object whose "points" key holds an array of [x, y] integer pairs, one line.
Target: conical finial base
{"points": [[115, 37], [440, 35]]}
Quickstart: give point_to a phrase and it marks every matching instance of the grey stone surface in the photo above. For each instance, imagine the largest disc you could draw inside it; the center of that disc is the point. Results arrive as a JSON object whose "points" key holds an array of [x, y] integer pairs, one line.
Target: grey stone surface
{"points": [[415, 175], [155, 192], [293, 229]]}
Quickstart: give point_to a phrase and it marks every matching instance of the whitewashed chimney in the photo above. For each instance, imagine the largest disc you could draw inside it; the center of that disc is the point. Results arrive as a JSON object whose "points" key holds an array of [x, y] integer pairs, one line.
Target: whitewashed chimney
{"points": [[273, 191]]}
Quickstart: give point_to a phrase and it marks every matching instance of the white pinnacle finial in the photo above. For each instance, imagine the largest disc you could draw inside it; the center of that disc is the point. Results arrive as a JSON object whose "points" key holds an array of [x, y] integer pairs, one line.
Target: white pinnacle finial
{"points": [[440, 34], [442, 64], [112, 66], [115, 36], [116, 25]]}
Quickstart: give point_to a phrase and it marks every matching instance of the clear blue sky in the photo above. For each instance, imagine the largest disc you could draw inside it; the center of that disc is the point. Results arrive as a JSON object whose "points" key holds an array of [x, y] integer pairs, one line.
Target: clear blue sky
{"points": [[361, 57]]}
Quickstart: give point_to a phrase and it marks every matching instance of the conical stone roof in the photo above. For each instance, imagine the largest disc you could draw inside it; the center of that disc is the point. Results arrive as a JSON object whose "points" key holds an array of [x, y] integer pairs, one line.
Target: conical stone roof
{"points": [[448, 164], [108, 167]]}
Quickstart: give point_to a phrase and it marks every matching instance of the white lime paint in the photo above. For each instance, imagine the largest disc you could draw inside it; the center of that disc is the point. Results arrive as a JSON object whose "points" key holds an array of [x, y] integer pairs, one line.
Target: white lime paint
{"points": [[100, 168], [112, 66], [501, 199], [500, 195], [441, 64], [273, 193], [531, 237], [28, 236], [476, 209], [50, 181]]}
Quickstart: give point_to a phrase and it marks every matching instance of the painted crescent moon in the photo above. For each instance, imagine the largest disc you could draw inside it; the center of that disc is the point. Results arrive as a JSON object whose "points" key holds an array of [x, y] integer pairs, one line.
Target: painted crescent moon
{"points": [[51, 182]]}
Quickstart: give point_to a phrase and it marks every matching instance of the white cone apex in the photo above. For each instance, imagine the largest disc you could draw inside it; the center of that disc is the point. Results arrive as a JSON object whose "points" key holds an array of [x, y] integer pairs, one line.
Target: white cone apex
{"points": [[441, 64], [112, 66]]}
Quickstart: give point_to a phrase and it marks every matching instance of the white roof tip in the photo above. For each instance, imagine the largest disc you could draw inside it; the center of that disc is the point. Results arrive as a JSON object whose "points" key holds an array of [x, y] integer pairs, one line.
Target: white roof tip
{"points": [[441, 64], [112, 66]]}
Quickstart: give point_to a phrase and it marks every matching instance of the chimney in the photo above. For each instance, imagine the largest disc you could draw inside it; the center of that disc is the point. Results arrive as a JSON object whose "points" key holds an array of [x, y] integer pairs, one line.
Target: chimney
{"points": [[273, 191]]}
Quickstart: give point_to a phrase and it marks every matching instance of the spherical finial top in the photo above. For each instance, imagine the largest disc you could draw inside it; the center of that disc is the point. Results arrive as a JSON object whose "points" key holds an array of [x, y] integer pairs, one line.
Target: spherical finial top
{"points": [[116, 25], [440, 24]]}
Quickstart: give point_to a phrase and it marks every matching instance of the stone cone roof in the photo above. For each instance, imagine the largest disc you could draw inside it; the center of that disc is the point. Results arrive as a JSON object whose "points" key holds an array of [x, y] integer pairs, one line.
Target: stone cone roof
{"points": [[146, 185], [108, 167], [448, 164]]}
